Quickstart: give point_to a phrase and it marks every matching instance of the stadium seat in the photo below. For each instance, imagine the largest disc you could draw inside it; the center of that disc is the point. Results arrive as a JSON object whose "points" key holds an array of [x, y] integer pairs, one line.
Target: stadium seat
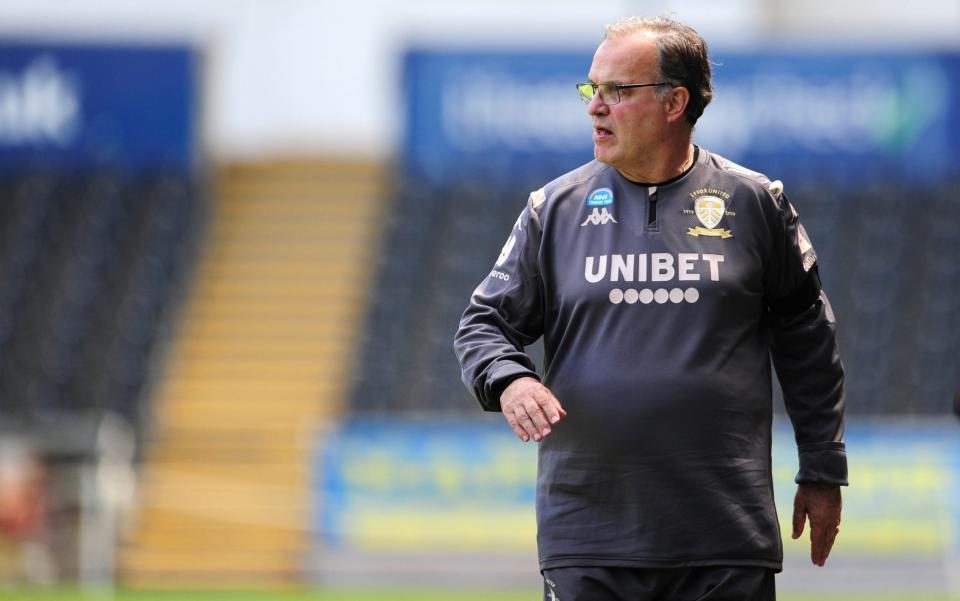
{"points": [[90, 265]]}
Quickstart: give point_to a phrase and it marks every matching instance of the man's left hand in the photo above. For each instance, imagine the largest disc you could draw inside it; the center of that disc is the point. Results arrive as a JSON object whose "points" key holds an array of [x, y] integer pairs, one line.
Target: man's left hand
{"points": [[822, 504]]}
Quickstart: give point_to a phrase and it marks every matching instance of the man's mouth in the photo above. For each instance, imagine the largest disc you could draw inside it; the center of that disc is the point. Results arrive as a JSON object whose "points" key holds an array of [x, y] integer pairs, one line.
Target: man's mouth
{"points": [[601, 133]]}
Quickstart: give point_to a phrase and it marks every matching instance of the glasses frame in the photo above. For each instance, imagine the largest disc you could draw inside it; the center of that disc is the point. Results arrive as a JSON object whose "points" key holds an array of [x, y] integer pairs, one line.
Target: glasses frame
{"points": [[616, 88]]}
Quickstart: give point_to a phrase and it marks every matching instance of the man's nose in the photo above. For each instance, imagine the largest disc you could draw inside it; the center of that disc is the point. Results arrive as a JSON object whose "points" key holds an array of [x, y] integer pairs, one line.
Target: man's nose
{"points": [[596, 106]]}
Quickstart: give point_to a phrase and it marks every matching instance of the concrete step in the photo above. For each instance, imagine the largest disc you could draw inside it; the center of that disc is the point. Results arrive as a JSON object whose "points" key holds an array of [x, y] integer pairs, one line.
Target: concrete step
{"points": [[258, 369], [313, 207], [185, 389], [230, 411], [268, 251], [209, 495], [352, 190], [187, 539], [277, 469], [315, 282], [334, 292], [244, 346], [181, 564], [260, 364], [226, 448]]}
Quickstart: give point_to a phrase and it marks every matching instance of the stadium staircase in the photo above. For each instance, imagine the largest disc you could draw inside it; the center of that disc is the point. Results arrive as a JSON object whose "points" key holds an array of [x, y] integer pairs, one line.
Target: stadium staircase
{"points": [[262, 360]]}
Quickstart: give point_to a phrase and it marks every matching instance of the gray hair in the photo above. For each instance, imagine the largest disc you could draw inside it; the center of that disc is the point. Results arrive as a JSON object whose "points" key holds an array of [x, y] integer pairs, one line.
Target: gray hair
{"points": [[682, 57]]}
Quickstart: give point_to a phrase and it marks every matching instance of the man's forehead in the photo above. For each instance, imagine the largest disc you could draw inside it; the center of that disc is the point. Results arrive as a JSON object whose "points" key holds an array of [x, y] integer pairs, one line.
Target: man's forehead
{"points": [[625, 57]]}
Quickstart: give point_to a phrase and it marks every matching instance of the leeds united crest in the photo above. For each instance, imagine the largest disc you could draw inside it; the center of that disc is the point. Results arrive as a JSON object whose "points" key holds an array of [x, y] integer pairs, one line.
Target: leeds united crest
{"points": [[709, 210]]}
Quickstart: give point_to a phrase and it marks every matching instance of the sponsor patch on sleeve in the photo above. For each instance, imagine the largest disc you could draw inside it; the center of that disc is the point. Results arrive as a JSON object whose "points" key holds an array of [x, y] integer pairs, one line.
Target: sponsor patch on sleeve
{"points": [[601, 197]]}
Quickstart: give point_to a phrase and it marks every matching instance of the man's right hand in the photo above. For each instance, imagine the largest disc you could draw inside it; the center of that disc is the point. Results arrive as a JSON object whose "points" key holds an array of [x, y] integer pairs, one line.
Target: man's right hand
{"points": [[530, 408]]}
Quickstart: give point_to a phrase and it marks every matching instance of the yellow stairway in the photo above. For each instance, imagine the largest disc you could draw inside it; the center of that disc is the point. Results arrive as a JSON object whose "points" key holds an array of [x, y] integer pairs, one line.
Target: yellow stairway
{"points": [[261, 360]]}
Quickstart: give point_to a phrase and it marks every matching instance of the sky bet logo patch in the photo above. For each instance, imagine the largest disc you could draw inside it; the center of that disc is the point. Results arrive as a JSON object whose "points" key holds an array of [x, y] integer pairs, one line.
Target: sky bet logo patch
{"points": [[600, 198]]}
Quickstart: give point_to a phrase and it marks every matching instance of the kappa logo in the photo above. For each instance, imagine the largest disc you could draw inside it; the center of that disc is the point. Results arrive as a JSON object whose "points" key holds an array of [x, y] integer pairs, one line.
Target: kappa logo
{"points": [[599, 217], [506, 250], [802, 241], [510, 243], [806, 248]]}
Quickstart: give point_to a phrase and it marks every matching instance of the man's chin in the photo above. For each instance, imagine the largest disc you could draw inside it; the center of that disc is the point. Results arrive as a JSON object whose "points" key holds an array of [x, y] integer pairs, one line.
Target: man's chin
{"points": [[603, 155]]}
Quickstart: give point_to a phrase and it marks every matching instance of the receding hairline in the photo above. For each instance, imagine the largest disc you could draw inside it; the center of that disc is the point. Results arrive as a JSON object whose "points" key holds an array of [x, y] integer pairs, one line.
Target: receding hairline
{"points": [[627, 26]]}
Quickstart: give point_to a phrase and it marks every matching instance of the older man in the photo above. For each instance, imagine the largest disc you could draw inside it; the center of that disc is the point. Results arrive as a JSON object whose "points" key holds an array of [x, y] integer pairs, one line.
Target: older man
{"points": [[662, 278]]}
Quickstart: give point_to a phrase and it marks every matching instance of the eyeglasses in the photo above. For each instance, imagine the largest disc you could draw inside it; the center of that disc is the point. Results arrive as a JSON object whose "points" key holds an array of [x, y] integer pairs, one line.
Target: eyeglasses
{"points": [[609, 92]]}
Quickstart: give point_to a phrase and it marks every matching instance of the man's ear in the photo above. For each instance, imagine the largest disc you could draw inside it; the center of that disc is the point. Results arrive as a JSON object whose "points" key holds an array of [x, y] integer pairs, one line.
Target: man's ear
{"points": [[676, 103]]}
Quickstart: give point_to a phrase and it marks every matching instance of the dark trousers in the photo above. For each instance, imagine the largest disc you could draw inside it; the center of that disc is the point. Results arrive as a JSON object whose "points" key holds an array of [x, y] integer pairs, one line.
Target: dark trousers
{"points": [[714, 583]]}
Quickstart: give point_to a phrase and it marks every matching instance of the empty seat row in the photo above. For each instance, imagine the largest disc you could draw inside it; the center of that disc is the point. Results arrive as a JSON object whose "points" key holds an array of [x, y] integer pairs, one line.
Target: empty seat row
{"points": [[90, 269]]}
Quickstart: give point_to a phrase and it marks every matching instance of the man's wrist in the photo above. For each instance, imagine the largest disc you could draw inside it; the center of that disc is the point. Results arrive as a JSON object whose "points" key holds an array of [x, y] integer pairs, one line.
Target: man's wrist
{"points": [[818, 485], [498, 387]]}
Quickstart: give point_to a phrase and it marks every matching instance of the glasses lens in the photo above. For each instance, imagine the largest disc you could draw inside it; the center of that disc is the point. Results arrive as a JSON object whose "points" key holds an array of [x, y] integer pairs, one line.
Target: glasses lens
{"points": [[586, 91], [609, 93]]}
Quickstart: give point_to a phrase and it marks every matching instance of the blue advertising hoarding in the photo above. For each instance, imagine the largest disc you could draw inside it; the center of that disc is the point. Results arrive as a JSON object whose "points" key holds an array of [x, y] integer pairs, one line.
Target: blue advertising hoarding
{"points": [[395, 485], [512, 115], [97, 105], [493, 114]]}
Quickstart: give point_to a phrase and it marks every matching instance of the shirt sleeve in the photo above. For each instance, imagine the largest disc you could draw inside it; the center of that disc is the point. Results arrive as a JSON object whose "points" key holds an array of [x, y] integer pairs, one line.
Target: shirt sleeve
{"points": [[804, 348], [505, 314]]}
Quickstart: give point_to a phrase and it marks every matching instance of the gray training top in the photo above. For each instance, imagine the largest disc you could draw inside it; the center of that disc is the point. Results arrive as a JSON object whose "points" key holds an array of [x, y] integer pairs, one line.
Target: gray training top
{"points": [[660, 307]]}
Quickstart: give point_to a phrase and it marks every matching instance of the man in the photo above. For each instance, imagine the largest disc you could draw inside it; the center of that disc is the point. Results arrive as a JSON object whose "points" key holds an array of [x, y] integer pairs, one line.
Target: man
{"points": [[662, 278]]}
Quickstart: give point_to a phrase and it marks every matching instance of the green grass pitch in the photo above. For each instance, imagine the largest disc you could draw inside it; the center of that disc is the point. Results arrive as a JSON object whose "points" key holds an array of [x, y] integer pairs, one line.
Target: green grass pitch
{"points": [[378, 594]]}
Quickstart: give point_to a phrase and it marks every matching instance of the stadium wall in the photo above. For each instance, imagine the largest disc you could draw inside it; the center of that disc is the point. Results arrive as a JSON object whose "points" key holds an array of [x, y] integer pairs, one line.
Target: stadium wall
{"points": [[301, 77]]}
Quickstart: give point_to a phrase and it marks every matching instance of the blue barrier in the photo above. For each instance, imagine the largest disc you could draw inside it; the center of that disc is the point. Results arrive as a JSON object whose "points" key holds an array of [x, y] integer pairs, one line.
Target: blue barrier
{"points": [[78, 106], [510, 115], [465, 487]]}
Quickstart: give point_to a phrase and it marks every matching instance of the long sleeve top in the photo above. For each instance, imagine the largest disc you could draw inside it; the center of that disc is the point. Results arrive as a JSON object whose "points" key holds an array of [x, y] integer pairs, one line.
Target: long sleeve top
{"points": [[660, 308]]}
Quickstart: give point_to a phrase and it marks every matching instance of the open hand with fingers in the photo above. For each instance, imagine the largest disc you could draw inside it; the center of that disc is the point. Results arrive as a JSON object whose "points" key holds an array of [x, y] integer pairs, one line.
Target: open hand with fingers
{"points": [[821, 503], [530, 409]]}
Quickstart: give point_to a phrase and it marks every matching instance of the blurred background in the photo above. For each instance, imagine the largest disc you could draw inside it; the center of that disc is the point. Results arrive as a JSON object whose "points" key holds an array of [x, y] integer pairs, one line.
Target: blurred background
{"points": [[236, 238]]}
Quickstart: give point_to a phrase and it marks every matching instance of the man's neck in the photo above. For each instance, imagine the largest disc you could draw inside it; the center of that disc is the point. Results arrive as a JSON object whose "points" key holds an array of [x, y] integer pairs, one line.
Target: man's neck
{"points": [[663, 166]]}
